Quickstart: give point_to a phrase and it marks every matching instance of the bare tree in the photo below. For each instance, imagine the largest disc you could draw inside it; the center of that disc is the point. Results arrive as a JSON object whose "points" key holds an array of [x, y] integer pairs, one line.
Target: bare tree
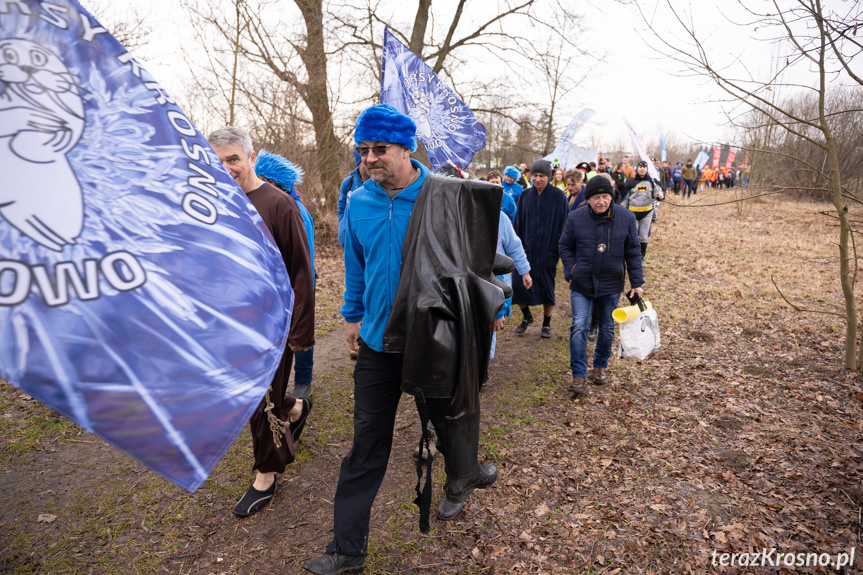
{"points": [[818, 46], [130, 27]]}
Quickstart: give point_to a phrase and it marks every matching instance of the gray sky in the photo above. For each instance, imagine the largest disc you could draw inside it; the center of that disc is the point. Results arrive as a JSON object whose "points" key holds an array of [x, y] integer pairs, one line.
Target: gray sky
{"points": [[632, 82]]}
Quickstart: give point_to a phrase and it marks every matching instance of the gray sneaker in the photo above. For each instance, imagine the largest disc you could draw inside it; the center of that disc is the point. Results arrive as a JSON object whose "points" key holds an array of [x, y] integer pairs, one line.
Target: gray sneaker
{"points": [[546, 332]]}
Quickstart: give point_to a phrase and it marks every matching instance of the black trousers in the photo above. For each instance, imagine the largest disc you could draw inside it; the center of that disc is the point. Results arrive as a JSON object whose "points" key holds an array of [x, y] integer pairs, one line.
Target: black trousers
{"points": [[377, 391]]}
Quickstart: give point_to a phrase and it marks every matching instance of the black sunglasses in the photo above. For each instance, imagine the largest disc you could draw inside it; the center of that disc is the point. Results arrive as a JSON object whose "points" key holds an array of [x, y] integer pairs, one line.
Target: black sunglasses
{"points": [[378, 150]]}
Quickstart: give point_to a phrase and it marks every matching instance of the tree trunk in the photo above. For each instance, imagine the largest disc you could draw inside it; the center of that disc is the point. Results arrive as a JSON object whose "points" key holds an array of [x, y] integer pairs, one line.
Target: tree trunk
{"points": [[420, 24], [317, 99], [846, 257]]}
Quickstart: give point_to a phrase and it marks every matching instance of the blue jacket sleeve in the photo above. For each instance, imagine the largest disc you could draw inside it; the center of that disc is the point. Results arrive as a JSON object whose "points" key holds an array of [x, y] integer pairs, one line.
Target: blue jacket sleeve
{"points": [[511, 246]]}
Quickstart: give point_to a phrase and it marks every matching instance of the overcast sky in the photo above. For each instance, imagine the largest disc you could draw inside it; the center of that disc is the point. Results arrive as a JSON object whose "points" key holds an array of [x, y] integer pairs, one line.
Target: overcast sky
{"points": [[631, 82]]}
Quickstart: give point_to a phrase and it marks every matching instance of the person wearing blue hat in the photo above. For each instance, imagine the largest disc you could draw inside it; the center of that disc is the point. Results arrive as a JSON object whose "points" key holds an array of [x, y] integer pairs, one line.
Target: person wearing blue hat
{"points": [[398, 348]]}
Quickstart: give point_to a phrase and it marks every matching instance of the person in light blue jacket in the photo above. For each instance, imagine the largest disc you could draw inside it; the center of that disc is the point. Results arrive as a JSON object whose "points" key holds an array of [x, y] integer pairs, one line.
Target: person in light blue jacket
{"points": [[509, 245]]}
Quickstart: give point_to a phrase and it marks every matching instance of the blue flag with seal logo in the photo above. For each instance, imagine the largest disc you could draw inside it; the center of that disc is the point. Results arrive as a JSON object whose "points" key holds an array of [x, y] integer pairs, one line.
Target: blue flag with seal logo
{"points": [[141, 294], [445, 125]]}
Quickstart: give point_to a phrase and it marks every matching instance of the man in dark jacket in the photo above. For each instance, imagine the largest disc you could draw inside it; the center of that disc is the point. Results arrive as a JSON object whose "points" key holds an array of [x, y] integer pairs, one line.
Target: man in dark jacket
{"points": [[539, 219], [598, 244]]}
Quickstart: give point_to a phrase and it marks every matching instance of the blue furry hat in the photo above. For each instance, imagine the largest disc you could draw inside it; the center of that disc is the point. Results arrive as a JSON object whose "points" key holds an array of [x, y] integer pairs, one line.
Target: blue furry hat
{"points": [[512, 172], [383, 123], [280, 171]]}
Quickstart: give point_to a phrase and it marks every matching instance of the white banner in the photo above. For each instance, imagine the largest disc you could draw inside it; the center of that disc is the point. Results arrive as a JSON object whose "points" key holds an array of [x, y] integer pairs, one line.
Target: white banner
{"points": [[565, 152], [642, 153]]}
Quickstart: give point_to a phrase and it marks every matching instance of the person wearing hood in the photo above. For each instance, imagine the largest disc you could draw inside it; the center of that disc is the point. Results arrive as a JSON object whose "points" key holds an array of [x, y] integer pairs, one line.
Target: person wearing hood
{"points": [[640, 193], [510, 182]]}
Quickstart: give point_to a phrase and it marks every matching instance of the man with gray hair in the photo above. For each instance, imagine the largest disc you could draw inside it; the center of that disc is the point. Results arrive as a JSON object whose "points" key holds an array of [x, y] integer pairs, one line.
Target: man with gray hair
{"points": [[277, 413]]}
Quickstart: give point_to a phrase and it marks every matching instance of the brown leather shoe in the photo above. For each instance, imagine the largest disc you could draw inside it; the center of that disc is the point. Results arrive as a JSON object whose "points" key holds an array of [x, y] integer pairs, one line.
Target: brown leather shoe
{"points": [[600, 375], [577, 386]]}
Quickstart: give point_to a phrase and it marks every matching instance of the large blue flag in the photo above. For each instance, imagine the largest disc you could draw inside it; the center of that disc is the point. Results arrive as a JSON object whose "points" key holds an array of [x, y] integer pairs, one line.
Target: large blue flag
{"points": [[445, 125], [140, 292]]}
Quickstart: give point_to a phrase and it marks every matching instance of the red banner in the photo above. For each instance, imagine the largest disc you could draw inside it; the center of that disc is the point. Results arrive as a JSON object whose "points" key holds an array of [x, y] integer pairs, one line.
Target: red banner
{"points": [[717, 150], [732, 153]]}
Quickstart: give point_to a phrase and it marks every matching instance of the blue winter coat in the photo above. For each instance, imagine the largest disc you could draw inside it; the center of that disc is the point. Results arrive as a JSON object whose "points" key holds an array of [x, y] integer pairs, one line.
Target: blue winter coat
{"points": [[596, 252], [375, 228]]}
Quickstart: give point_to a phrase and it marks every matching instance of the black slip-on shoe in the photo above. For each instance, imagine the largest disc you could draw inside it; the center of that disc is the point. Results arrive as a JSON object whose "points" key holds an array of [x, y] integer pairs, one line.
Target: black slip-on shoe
{"points": [[333, 564], [546, 332], [298, 425], [254, 500], [522, 327]]}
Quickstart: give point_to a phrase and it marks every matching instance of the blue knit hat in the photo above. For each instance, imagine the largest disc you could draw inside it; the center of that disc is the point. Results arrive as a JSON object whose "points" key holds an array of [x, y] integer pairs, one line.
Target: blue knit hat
{"points": [[383, 123], [279, 170], [512, 172]]}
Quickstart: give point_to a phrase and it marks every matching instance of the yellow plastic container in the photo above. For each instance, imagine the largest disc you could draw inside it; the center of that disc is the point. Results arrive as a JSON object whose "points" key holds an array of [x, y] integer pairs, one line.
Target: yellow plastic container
{"points": [[628, 313]]}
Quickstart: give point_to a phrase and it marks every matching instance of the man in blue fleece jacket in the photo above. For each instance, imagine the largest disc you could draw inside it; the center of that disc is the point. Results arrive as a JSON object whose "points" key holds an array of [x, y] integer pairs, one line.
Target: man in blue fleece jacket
{"points": [[376, 221]]}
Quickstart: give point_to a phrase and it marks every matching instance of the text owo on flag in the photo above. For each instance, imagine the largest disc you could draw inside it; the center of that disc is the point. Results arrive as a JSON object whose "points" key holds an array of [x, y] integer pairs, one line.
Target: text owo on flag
{"points": [[445, 125], [140, 292]]}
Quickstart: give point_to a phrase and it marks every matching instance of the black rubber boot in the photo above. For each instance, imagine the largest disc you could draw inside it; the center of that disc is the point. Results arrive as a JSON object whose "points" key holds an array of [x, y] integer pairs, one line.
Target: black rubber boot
{"points": [[643, 250], [463, 470]]}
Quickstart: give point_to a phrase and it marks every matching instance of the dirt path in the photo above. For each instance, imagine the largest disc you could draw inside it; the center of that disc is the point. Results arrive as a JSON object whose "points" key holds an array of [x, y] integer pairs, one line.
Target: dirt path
{"points": [[741, 433]]}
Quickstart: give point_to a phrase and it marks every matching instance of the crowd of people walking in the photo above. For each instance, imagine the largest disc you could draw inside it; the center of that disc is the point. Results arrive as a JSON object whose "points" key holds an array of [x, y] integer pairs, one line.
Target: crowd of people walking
{"points": [[422, 253]]}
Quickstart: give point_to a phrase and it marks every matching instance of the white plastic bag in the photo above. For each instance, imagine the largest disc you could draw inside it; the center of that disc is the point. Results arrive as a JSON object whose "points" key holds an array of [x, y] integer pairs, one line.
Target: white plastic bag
{"points": [[639, 336]]}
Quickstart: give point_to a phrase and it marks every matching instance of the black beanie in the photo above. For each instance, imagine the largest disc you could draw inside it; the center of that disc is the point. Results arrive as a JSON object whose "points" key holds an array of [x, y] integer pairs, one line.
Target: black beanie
{"points": [[598, 185], [541, 167]]}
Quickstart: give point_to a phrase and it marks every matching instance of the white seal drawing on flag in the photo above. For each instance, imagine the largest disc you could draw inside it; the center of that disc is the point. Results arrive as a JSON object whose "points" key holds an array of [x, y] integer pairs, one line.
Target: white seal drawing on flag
{"points": [[41, 119]]}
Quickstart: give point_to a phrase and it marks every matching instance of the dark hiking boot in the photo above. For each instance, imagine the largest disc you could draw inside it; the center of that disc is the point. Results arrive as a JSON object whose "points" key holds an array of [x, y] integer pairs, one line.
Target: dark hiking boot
{"points": [[600, 376], [333, 564], [592, 333], [577, 386]]}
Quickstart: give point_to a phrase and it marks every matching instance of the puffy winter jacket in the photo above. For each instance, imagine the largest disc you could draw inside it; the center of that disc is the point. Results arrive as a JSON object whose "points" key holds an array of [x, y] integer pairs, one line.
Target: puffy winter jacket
{"points": [[597, 251]]}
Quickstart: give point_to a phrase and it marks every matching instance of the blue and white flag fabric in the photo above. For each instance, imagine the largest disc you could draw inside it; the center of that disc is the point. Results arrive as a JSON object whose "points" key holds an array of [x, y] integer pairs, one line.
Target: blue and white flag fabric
{"points": [[445, 125], [662, 154], [140, 292], [566, 152], [642, 152], [701, 159]]}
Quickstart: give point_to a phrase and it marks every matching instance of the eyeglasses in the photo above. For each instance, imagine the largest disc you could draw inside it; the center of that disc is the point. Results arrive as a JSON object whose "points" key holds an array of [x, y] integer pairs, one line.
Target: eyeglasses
{"points": [[378, 150]]}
